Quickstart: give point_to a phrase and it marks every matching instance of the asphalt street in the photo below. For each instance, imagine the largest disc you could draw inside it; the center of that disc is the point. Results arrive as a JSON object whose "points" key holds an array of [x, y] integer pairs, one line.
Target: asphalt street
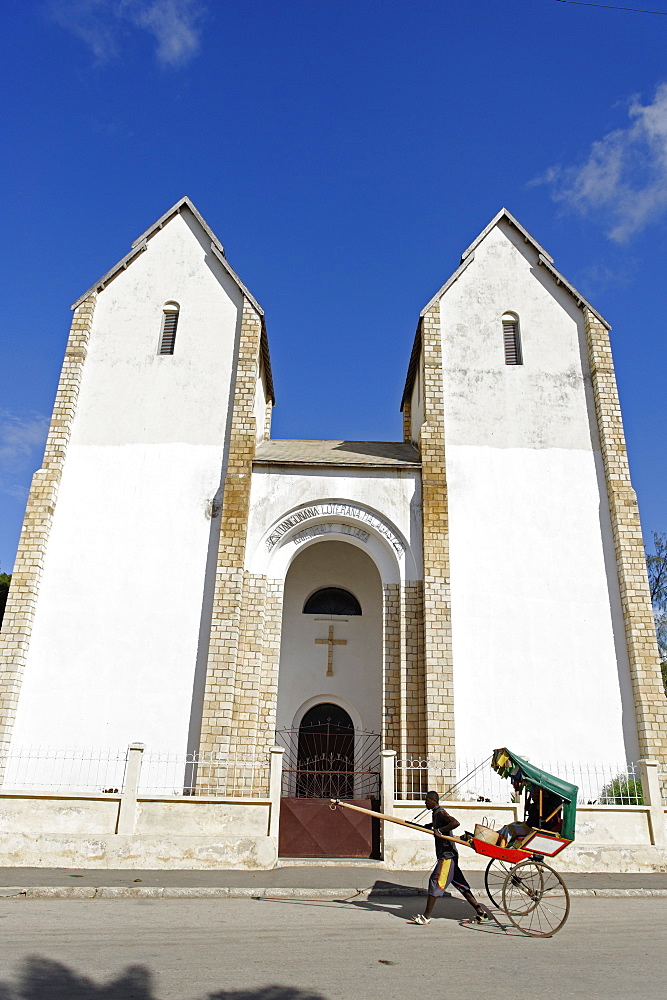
{"points": [[267, 949]]}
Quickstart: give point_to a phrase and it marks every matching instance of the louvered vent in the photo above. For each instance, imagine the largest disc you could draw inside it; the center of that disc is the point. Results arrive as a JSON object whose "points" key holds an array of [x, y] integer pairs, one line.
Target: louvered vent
{"points": [[511, 341], [169, 324]]}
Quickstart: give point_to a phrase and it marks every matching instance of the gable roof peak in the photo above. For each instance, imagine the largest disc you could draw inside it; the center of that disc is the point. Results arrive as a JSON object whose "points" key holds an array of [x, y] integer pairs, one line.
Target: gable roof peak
{"points": [[176, 209], [218, 251], [544, 260], [141, 244], [504, 213]]}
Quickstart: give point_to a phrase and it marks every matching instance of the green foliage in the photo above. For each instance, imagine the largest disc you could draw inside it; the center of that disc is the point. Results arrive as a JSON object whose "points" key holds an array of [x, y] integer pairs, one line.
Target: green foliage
{"points": [[5, 580], [656, 564], [622, 791]]}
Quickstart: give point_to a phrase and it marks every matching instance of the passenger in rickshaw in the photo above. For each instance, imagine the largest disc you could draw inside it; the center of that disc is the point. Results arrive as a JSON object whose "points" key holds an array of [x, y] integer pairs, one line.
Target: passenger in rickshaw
{"points": [[543, 812]]}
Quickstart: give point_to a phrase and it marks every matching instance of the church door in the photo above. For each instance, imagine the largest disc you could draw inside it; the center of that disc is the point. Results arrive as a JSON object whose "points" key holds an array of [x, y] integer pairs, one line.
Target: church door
{"points": [[326, 759]]}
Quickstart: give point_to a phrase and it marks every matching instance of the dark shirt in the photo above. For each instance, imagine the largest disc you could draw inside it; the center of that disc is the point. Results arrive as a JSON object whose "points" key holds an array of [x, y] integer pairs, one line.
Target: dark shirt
{"points": [[443, 823]]}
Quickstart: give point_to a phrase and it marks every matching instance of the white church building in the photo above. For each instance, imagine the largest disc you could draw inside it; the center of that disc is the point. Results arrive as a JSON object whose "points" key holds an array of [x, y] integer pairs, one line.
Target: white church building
{"points": [[187, 581]]}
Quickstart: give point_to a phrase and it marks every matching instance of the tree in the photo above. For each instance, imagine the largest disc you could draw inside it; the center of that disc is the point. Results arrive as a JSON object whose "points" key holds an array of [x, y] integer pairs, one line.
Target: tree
{"points": [[656, 564], [5, 580]]}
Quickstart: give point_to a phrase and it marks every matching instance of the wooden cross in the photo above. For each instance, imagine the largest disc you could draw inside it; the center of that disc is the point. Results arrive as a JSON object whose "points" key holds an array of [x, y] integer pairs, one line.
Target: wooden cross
{"points": [[331, 642]]}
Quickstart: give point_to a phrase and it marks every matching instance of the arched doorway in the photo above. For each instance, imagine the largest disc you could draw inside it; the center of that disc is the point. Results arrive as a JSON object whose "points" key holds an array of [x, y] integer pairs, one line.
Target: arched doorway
{"points": [[331, 644], [325, 755], [329, 705]]}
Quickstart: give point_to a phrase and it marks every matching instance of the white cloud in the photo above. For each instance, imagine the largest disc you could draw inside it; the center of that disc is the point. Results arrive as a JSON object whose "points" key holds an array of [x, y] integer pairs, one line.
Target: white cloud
{"points": [[625, 176], [103, 24], [173, 25], [21, 443], [93, 21]]}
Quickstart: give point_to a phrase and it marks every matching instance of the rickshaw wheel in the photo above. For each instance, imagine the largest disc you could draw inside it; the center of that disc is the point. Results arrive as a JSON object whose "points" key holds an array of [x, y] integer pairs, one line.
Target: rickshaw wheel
{"points": [[535, 898], [494, 879]]}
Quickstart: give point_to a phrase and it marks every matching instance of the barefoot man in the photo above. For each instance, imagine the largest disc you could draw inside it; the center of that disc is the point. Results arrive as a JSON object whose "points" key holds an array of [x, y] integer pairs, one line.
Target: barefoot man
{"points": [[446, 869]]}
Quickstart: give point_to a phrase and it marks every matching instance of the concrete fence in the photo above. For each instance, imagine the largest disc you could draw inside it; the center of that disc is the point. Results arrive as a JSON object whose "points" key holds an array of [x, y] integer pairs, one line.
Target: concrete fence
{"points": [[127, 826]]}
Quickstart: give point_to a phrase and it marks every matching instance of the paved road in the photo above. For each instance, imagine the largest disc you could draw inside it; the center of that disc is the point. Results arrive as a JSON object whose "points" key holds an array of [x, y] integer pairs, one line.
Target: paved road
{"points": [[299, 950], [313, 876]]}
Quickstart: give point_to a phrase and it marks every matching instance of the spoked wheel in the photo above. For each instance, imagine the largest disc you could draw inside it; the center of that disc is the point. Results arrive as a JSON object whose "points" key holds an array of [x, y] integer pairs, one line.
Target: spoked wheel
{"points": [[535, 898], [494, 879]]}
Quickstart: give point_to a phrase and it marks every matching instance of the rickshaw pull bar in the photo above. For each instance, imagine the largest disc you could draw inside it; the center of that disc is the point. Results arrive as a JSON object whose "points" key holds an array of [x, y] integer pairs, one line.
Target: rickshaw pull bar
{"points": [[393, 819]]}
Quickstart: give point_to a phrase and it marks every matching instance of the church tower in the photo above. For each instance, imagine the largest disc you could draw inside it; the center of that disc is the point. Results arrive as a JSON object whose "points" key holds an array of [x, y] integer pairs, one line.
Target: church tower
{"points": [[537, 614], [166, 380]]}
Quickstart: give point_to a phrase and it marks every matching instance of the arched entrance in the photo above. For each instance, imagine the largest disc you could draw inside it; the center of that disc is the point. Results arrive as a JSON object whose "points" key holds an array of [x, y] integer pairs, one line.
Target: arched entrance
{"points": [[325, 754], [331, 645], [329, 706]]}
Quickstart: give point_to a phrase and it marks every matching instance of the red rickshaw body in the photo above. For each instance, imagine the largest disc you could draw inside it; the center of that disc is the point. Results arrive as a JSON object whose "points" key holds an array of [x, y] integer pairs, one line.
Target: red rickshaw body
{"points": [[509, 854]]}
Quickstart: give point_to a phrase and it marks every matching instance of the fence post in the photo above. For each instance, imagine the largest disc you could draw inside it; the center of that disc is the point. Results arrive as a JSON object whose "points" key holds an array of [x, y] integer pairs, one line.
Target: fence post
{"points": [[648, 770], [275, 787], [127, 814], [387, 788]]}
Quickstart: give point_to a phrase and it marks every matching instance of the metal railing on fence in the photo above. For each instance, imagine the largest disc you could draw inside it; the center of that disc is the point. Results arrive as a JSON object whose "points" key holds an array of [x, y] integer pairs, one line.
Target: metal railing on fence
{"points": [[244, 773], [598, 783], [235, 773], [64, 769], [230, 774]]}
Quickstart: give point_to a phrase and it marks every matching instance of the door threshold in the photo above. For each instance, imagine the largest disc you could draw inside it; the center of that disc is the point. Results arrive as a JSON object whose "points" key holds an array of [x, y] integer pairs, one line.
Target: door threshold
{"points": [[331, 863]]}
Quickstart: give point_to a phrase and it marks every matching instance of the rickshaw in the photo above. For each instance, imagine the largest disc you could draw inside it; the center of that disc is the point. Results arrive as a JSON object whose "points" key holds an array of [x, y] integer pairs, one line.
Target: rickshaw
{"points": [[517, 878]]}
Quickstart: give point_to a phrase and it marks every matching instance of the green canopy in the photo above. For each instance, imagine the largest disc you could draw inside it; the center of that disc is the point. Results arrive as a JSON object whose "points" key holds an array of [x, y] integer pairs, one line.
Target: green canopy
{"points": [[523, 773]]}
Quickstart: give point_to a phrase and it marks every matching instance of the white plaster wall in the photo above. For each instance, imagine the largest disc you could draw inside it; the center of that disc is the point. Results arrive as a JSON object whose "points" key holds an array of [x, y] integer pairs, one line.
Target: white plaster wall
{"points": [[539, 655], [116, 630], [357, 667]]}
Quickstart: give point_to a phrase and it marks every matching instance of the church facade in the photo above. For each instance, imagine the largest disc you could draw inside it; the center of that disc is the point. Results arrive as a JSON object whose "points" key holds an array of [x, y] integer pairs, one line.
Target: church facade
{"points": [[186, 581]]}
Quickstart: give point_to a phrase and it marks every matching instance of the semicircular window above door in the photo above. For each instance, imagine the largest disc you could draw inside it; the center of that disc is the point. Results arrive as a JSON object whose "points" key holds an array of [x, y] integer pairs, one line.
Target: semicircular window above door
{"points": [[332, 601]]}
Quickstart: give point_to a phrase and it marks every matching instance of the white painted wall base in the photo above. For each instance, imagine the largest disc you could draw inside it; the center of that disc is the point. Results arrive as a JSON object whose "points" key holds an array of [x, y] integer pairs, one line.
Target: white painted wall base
{"points": [[78, 832], [44, 831], [122, 852]]}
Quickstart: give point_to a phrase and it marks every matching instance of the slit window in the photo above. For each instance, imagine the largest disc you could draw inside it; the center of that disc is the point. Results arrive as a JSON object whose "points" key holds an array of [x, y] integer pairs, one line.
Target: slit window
{"points": [[169, 324], [512, 340]]}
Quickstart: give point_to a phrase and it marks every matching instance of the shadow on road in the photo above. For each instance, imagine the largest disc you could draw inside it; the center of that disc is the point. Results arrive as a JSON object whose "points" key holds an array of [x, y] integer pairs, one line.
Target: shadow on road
{"points": [[446, 908], [43, 979]]}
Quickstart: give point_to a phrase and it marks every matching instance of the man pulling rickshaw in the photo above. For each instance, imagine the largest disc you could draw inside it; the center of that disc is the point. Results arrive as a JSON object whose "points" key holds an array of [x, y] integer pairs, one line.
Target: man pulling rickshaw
{"points": [[517, 878], [446, 871]]}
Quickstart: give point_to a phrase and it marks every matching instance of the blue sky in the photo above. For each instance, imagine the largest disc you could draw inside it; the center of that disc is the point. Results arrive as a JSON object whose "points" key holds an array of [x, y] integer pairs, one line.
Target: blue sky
{"points": [[345, 153]]}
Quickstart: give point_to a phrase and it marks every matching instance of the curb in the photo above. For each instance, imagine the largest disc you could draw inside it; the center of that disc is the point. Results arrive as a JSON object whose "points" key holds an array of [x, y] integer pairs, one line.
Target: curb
{"points": [[156, 892]]}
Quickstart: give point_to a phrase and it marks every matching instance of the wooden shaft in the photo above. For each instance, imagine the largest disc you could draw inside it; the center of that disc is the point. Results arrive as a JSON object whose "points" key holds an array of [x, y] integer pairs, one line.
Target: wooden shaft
{"points": [[400, 822]]}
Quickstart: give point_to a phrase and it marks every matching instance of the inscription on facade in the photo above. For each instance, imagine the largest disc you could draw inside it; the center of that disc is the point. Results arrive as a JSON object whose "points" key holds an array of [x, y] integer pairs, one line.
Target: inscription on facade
{"points": [[336, 510], [328, 528]]}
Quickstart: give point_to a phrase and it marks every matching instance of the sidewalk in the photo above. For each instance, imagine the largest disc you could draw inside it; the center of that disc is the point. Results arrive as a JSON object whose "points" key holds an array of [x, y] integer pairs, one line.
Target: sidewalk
{"points": [[312, 881]]}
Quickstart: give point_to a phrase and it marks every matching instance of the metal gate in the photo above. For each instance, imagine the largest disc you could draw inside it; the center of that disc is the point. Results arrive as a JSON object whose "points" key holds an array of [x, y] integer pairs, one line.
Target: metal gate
{"points": [[323, 761]]}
